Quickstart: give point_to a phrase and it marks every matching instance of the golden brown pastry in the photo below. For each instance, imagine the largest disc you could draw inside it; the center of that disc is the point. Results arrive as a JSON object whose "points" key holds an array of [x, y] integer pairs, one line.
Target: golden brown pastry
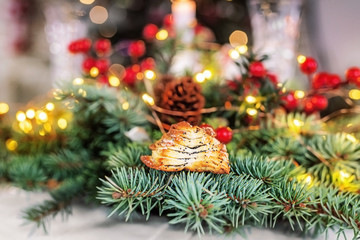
{"points": [[190, 148]]}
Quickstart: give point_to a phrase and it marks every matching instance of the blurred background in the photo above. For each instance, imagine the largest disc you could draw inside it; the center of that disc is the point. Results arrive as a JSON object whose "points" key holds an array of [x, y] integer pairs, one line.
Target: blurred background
{"points": [[34, 35]]}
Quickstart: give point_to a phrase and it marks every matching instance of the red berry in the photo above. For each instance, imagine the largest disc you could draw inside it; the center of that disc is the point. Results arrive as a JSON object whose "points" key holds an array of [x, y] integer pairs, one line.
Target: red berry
{"points": [[102, 65], [150, 31], [224, 134], [80, 46], [257, 69], [309, 66], [320, 80], [102, 46], [353, 75], [168, 21], [309, 107], [136, 49], [104, 80], [147, 64], [334, 80], [289, 102], [319, 102], [130, 75], [87, 64], [273, 78]]}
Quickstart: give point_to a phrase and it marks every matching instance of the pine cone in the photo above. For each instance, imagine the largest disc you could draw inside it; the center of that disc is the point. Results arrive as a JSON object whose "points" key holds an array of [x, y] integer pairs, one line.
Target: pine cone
{"points": [[182, 95]]}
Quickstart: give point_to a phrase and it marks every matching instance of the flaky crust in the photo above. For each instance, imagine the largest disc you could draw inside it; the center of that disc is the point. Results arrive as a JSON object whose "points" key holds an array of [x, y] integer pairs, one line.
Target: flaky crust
{"points": [[187, 147]]}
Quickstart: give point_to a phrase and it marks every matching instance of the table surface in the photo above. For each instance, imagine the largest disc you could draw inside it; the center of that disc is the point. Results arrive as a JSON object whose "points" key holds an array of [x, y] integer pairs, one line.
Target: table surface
{"points": [[91, 223]]}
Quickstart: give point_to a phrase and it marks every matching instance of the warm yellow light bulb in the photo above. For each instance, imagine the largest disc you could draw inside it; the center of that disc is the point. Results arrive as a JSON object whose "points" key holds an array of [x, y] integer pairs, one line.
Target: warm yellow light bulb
{"points": [[150, 74], [299, 94], [114, 81], [301, 59], [78, 81], [4, 108], [98, 15], [344, 174], [250, 99], [298, 123], [62, 123], [251, 111], [308, 179], [94, 72], [148, 99], [30, 113], [234, 54], [351, 138], [11, 144], [42, 116], [199, 77], [50, 106], [162, 35], [242, 49], [20, 116], [354, 94], [125, 105], [207, 74]]}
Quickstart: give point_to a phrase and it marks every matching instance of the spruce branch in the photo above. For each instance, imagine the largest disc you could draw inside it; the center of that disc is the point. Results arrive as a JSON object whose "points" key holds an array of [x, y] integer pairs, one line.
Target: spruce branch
{"points": [[42, 213], [130, 189], [194, 199]]}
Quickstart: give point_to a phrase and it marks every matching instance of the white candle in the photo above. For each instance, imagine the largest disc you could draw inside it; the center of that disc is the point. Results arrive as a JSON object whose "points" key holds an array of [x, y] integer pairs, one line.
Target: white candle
{"points": [[183, 12]]}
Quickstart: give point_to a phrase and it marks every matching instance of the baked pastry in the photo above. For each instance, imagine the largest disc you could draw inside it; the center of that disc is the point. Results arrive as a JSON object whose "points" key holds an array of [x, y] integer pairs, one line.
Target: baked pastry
{"points": [[187, 147]]}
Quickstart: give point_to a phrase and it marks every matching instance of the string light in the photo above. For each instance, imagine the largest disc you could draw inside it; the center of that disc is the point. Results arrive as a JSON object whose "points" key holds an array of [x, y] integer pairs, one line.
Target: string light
{"points": [[199, 77], [11, 144], [301, 59], [308, 179], [251, 111], [242, 49], [125, 105], [250, 99], [78, 81], [344, 174], [114, 81], [148, 99], [4, 108], [94, 72], [354, 94], [149, 74], [42, 132], [162, 35], [62, 123], [41, 116], [207, 74], [298, 94], [30, 113], [25, 126], [20, 116], [50, 106], [82, 92], [234, 54], [298, 123]]}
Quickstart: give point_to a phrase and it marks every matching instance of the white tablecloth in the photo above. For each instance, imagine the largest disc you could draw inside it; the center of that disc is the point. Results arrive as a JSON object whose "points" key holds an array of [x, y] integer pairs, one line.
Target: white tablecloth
{"points": [[92, 224]]}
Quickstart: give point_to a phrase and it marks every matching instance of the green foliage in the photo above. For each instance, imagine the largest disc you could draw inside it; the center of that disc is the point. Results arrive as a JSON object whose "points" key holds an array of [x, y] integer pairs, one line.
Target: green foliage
{"points": [[330, 154], [193, 199], [129, 189], [126, 156], [258, 167]]}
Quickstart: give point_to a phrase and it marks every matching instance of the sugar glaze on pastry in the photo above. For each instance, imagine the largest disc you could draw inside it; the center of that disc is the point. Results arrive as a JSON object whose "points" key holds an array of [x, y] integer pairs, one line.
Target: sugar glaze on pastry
{"points": [[187, 147]]}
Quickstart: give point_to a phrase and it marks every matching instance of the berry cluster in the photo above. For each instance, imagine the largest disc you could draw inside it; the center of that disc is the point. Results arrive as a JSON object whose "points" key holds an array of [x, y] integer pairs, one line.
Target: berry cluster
{"points": [[96, 67], [322, 83]]}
